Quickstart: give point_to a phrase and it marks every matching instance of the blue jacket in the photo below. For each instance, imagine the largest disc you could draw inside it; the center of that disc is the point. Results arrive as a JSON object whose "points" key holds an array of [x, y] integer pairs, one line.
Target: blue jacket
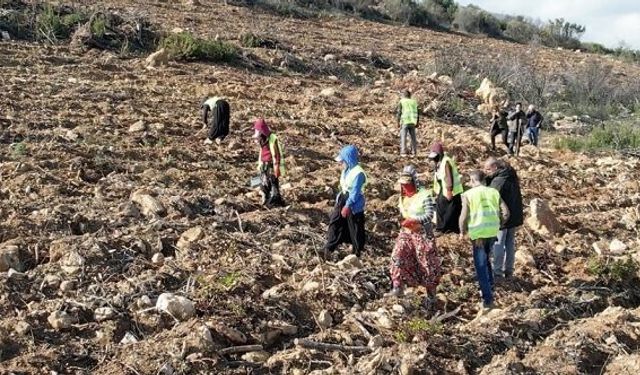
{"points": [[356, 200]]}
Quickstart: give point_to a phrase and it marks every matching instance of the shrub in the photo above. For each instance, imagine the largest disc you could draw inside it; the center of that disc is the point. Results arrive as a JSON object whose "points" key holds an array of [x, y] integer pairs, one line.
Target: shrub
{"points": [[52, 26], [441, 12], [617, 271], [99, 26], [477, 21], [405, 11], [522, 31], [561, 33], [611, 136], [185, 46]]}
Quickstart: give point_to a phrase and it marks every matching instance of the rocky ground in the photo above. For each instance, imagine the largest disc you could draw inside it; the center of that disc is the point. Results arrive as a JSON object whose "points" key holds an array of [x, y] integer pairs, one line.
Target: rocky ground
{"points": [[129, 247]]}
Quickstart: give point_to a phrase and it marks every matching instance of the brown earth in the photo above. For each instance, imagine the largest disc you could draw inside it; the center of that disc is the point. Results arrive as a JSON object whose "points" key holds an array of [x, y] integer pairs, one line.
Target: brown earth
{"points": [[72, 168]]}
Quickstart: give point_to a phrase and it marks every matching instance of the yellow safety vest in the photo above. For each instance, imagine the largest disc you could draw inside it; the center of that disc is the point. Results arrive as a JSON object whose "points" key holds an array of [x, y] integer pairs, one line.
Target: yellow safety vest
{"points": [[413, 207], [441, 174], [348, 179], [484, 212], [273, 141], [409, 111]]}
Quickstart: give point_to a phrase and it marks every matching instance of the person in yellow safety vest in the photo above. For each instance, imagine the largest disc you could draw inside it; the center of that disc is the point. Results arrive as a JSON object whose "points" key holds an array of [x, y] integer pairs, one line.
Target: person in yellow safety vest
{"points": [[415, 260], [408, 119], [346, 222], [482, 213], [447, 188], [270, 163]]}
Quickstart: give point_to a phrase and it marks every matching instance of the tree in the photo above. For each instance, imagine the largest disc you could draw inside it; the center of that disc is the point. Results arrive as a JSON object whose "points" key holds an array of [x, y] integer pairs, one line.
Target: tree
{"points": [[561, 33]]}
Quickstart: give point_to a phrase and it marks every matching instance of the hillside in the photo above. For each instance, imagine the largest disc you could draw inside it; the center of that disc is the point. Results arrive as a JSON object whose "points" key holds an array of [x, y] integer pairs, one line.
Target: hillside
{"points": [[72, 165]]}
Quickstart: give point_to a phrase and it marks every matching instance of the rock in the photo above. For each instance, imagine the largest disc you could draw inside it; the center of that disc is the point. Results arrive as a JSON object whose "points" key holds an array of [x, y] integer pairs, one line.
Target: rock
{"points": [[280, 245], [446, 80], [150, 206], [492, 96], [104, 313], [256, 357], [60, 320], [144, 302], [137, 127], [617, 247], [398, 309], [157, 259], [72, 263], [21, 328], [624, 364], [407, 368], [52, 281], [5, 35], [10, 257], [329, 57], [273, 292], [234, 146], [128, 338], [166, 368], [600, 247], [157, 126], [158, 58], [542, 220], [67, 286], [205, 337], [232, 334], [524, 258], [350, 261], [179, 307], [190, 237], [325, 320], [311, 286], [383, 320], [376, 341], [286, 328], [328, 92], [555, 116]]}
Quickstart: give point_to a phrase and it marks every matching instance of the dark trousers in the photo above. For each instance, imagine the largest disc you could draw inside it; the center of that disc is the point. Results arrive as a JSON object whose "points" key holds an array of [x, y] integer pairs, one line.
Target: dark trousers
{"points": [[270, 186], [345, 230], [494, 132], [219, 121], [448, 213], [515, 141]]}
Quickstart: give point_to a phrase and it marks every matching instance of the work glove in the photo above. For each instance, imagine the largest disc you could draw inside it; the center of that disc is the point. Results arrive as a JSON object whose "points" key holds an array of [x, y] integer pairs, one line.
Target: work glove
{"points": [[345, 212]]}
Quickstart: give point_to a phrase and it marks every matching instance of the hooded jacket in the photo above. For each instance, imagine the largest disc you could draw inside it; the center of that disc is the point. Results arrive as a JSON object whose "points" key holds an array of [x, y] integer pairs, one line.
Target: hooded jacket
{"points": [[356, 200], [508, 185]]}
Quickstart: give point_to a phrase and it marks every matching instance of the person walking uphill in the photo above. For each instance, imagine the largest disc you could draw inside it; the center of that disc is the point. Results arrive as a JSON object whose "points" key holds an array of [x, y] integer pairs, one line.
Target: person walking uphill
{"points": [[408, 119], [415, 259], [482, 209], [517, 120], [499, 125], [534, 122], [215, 115], [346, 222], [447, 188], [270, 163], [502, 177]]}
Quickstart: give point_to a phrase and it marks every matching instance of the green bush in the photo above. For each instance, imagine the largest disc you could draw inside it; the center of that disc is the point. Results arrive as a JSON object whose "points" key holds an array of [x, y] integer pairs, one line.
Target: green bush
{"points": [[185, 46], [617, 271], [441, 12], [477, 21], [99, 26], [52, 26], [521, 31], [612, 136]]}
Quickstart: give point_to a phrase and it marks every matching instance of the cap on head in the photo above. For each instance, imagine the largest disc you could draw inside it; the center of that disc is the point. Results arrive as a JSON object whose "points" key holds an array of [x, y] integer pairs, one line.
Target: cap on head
{"points": [[436, 149]]}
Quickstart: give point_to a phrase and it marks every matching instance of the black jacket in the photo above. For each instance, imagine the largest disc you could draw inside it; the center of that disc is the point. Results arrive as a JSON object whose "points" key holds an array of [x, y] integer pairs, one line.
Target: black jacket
{"points": [[507, 183], [534, 119]]}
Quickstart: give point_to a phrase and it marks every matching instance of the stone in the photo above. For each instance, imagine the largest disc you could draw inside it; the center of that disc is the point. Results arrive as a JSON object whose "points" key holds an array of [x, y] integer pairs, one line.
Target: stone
{"points": [[280, 245], [542, 220], [128, 338], [52, 281], [311, 286], [179, 307], [158, 58], [232, 334], [256, 357], [10, 257], [384, 321], [328, 92], [617, 247], [398, 309], [72, 263], [325, 320], [166, 369], [5, 35], [286, 328], [350, 261], [329, 57], [190, 237], [205, 337], [624, 364], [157, 259], [149, 205], [60, 320], [492, 96], [376, 341], [144, 302], [446, 80], [600, 247], [67, 286], [21, 328], [104, 313], [555, 116], [137, 127], [524, 258], [407, 368]]}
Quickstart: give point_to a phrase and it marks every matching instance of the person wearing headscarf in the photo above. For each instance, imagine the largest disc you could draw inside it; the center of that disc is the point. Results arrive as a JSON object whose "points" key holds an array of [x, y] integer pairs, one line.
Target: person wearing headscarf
{"points": [[215, 115], [346, 222], [270, 163], [415, 260]]}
